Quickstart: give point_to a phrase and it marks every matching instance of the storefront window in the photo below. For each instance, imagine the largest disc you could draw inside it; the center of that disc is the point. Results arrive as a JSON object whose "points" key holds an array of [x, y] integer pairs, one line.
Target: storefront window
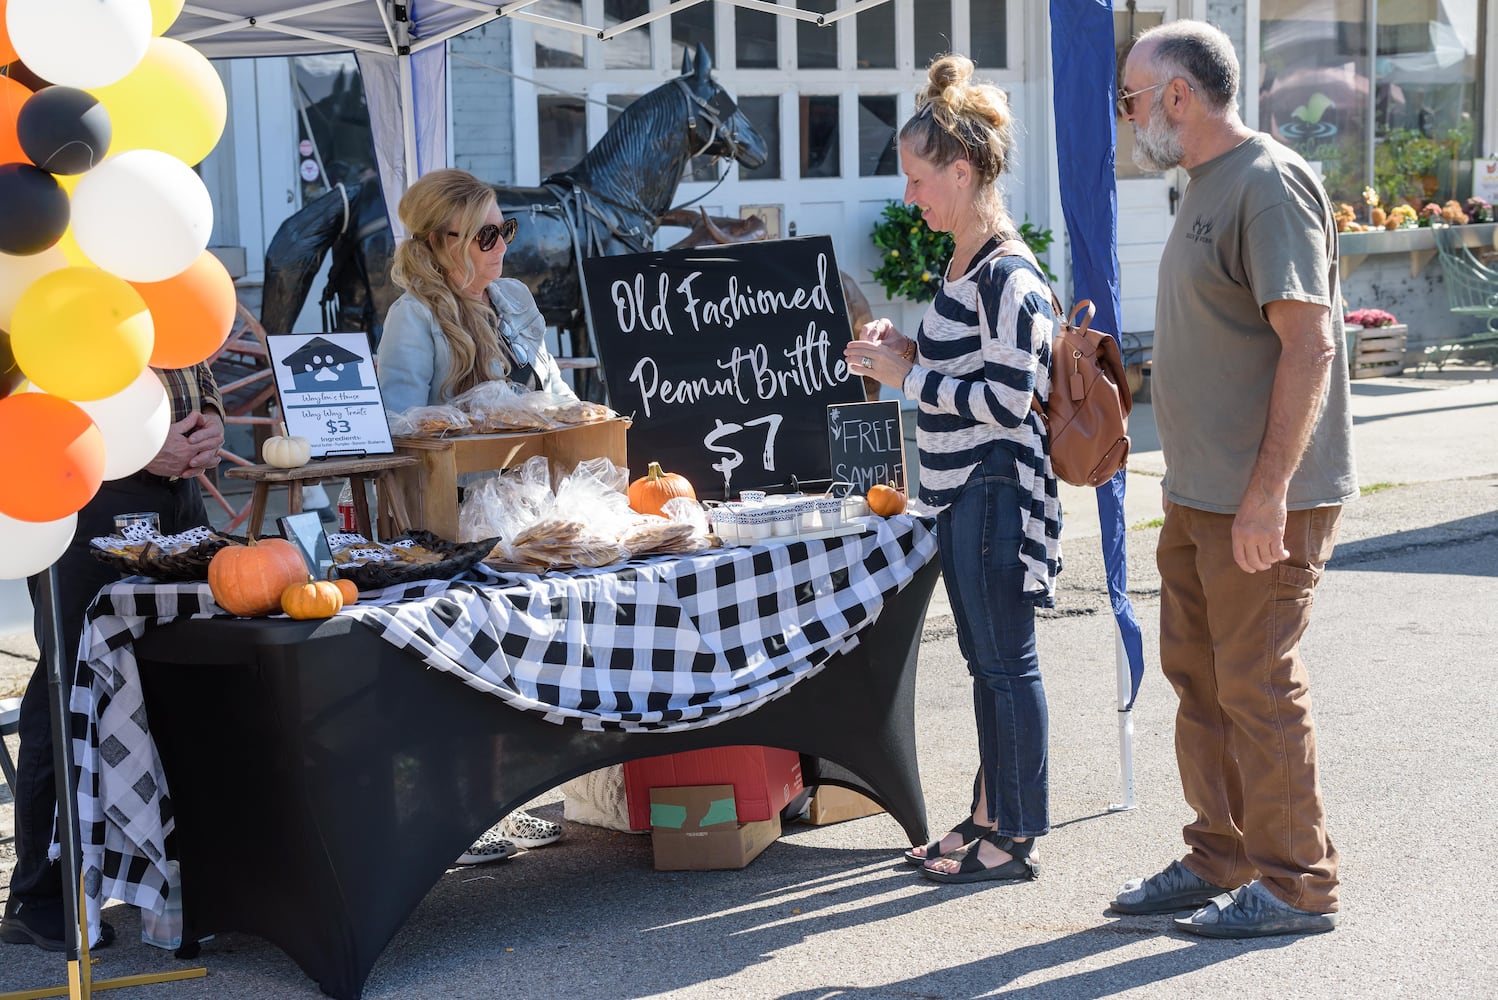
{"points": [[876, 37], [877, 155], [562, 131], [821, 152], [330, 97], [816, 48], [1413, 136], [988, 22], [933, 30], [764, 112], [689, 26], [755, 43], [555, 48], [630, 50]]}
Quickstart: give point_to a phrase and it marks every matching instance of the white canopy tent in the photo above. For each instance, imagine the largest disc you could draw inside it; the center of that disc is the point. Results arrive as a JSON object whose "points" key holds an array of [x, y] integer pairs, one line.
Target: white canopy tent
{"points": [[401, 53]]}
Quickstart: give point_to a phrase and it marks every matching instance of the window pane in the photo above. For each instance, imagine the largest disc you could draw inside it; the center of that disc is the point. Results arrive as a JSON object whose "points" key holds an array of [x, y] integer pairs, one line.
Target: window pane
{"points": [[556, 48], [764, 112], [820, 149], [988, 22], [688, 27], [876, 37], [877, 155], [933, 30], [755, 44], [339, 120], [562, 132], [816, 48], [630, 50]]}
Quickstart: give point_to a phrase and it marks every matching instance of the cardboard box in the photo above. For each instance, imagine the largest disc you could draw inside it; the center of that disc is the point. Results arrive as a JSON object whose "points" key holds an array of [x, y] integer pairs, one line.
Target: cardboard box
{"points": [[834, 804], [697, 828], [764, 779]]}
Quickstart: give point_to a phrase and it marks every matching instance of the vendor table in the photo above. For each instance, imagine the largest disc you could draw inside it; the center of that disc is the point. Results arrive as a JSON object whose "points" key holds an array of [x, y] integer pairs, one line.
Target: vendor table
{"points": [[321, 779]]}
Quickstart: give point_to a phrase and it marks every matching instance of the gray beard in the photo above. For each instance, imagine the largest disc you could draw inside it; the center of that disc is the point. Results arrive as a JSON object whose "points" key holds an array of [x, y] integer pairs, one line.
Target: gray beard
{"points": [[1157, 148]]}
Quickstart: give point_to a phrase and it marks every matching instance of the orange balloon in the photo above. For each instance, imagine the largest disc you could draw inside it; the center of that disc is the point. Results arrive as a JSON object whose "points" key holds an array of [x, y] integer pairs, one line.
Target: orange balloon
{"points": [[51, 454], [193, 312], [12, 96]]}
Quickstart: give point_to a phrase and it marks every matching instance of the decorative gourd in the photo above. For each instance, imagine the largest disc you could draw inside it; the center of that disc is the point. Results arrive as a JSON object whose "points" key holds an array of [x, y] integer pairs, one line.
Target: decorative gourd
{"points": [[286, 452], [651, 492], [348, 588], [312, 599], [885, 500], [247, 580]]}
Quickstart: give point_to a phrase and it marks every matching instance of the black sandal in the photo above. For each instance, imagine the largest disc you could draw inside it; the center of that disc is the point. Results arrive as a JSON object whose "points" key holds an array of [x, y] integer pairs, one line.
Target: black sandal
{"points": [[968, 830], [1019, 867]]}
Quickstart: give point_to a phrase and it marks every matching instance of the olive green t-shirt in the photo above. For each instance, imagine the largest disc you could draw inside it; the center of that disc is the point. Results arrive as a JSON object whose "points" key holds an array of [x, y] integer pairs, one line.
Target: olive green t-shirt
{"points": [[1254, 227]]}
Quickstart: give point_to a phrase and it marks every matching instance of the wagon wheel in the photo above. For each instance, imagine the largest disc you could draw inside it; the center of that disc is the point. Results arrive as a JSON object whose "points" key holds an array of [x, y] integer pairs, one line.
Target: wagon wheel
{"points": [[241, 367]]}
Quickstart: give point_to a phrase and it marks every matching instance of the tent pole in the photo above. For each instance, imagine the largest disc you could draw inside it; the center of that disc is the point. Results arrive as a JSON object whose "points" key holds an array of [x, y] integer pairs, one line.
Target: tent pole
{"points": [[1125, 727]]}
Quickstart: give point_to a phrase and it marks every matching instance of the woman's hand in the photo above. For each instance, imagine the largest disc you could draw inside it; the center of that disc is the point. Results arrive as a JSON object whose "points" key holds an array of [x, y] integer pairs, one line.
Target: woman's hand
{"points": [[880, 353]]}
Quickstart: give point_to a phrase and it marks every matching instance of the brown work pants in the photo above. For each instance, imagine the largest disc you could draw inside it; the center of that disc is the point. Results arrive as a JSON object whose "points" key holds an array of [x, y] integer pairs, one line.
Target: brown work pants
{"points": [[1245, 742]]}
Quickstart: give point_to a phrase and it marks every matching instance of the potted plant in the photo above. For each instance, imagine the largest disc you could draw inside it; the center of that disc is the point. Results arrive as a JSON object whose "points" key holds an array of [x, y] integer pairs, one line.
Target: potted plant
{"points": [[1375, 343], [913, 257]]}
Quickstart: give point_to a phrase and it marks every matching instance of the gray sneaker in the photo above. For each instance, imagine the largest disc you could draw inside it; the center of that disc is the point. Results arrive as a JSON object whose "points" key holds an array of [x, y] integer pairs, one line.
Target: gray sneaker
{"points": [[1174, 889], [1251, 912]]}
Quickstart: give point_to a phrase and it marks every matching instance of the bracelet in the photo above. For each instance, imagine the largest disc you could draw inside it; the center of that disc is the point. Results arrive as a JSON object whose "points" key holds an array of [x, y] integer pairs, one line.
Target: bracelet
{"points": [[910, 354]]}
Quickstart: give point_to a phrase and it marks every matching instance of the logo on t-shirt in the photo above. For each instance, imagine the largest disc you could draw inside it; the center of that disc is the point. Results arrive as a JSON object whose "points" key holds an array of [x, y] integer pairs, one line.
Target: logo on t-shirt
{"points": [[1201, 230]]}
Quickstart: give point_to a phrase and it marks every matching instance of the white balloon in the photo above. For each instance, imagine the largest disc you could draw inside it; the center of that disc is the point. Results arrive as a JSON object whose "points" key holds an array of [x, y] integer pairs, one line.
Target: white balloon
{"points": [[143, 215], [28, 547], [17, 274], [134, 422], [79, 43]]}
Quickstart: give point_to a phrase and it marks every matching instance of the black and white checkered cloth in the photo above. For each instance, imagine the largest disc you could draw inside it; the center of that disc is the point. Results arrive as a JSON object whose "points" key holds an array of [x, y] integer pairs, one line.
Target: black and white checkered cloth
{"points": [[662, 644]]}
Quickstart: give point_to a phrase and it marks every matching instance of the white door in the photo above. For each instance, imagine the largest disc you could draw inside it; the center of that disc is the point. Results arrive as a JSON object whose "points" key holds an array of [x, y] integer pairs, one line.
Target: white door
{"points": [[1146, 202]]}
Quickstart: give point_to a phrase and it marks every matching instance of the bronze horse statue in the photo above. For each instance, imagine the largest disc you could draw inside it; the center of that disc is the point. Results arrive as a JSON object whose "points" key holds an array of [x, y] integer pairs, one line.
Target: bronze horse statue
{"points": [[610, 202]]}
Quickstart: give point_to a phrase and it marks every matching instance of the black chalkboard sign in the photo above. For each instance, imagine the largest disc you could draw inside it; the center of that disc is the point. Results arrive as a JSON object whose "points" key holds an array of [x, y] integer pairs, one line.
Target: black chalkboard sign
{"points": [[866, 444], [726, 358]]}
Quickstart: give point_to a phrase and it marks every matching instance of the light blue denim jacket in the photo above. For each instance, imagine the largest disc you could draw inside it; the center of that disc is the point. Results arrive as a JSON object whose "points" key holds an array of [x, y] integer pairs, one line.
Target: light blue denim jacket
{"points": [[413, 359]]}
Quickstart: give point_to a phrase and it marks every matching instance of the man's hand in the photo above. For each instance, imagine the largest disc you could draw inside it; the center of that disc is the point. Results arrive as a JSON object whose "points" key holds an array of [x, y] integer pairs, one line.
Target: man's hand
{"points": [[191, 446], [1259, 531]]}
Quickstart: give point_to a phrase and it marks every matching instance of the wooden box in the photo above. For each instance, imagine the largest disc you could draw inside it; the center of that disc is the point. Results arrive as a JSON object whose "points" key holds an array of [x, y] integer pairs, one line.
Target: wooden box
{"points": [[1375, 351], [430, 487]]}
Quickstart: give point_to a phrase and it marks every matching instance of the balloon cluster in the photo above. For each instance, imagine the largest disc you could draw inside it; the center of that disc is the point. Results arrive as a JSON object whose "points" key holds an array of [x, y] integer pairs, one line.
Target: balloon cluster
{"points": [[104, 271]]}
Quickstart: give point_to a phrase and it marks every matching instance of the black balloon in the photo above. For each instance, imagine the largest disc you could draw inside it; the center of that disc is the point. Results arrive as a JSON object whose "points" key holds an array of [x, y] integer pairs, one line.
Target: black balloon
{"points": [[21, 73], [36, 209], [11, 375], [64, 130]]}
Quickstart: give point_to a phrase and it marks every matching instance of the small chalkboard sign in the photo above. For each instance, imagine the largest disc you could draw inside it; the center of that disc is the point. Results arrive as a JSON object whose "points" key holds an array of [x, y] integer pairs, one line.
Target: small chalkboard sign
{"points": [[866, 444], [725, 358]]}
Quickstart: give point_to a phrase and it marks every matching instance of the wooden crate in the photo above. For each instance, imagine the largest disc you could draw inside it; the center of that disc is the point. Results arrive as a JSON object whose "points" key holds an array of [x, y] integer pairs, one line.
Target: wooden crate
{"points": [[430, 487], [1375, 351]]}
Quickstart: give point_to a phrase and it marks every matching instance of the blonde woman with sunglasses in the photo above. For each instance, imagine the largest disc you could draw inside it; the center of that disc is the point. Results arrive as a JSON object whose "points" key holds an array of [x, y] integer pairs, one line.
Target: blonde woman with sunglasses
{"points": [[459, 323]]}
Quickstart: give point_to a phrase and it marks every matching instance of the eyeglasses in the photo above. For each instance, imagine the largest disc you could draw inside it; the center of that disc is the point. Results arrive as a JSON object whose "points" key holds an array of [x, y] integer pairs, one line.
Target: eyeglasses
{"points": [[490, 234], [1126, 101]]}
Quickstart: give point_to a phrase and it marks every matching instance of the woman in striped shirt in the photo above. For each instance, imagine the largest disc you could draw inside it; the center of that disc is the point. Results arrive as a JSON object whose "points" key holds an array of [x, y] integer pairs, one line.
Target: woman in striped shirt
{"points": [[982, 350]]}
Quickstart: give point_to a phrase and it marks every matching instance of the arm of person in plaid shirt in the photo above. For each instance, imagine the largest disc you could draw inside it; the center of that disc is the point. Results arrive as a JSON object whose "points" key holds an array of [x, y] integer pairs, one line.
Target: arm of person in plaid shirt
{"points": [[193, 441]]}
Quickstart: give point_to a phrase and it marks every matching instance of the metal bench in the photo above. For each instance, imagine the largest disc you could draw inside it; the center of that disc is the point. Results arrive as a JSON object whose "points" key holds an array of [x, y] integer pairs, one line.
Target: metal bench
{"points": [[1472, 288]]}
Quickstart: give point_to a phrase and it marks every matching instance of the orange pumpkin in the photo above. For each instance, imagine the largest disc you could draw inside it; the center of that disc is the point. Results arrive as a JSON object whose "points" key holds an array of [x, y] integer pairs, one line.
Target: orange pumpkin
{"points": [[652, 491], [247, 580], [885, 500], [312, 599], [348, 588]]}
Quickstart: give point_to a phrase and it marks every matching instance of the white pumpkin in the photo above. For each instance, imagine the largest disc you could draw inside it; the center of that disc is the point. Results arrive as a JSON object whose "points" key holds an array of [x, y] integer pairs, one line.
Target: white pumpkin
{"points": [[285, 451]]}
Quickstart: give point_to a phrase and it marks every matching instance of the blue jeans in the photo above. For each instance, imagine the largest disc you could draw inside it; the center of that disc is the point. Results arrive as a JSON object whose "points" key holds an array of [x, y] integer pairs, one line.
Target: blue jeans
{"points": [[979, 536]]}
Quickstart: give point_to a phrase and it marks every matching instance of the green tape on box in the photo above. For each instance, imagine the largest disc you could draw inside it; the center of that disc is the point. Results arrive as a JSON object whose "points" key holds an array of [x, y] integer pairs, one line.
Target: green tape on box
{"points": [[667, 816], [720, 811]]}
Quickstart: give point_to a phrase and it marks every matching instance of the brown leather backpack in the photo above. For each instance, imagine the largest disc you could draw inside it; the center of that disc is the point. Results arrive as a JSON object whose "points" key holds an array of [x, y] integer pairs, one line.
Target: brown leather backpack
{"points": [[1087, 414]]}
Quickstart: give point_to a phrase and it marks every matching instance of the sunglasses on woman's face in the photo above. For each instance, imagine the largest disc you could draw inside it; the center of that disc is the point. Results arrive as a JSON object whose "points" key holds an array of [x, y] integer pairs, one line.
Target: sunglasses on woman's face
{"points": [[490, 234]]}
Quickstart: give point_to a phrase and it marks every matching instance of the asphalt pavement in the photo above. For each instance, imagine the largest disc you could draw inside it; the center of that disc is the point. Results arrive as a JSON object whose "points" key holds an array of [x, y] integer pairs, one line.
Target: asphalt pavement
{"points": [[1403, 675]]}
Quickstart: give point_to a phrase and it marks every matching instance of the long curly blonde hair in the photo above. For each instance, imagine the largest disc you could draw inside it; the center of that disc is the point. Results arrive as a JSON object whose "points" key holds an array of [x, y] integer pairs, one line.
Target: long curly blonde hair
{"points": [[959, 118], [433, 268]]}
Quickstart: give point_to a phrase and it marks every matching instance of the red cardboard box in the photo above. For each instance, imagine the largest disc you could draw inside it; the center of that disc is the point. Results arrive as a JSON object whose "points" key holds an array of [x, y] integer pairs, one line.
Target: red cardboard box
{"points": [[764, 779]]}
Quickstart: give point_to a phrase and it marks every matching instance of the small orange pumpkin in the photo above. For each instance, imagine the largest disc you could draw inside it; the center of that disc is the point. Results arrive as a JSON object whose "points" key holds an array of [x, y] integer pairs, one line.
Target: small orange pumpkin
{"points": [[652, 491], [312, 599], [247, 580], [348, 588], [885, 500]]}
